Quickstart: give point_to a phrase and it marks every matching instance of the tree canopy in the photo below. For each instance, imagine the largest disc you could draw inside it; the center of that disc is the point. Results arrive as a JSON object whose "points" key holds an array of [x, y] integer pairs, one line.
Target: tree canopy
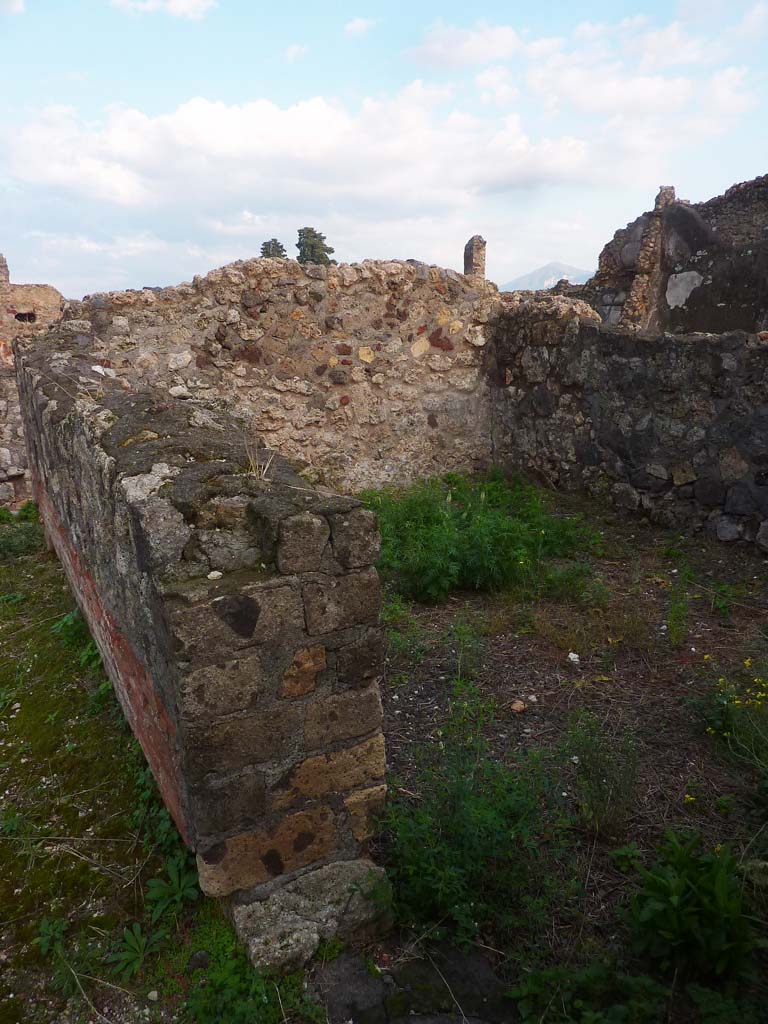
{"points": [[312, 247], [273, 249]]}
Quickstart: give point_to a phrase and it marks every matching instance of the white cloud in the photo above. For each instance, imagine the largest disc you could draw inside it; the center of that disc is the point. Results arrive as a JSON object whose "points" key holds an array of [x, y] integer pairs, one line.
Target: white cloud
{"points": [[246, 224], [192, 9], [297, 51], [496, 86], [399, 154], [670, 46], [448, 46], [359, 26], [12, 6]]}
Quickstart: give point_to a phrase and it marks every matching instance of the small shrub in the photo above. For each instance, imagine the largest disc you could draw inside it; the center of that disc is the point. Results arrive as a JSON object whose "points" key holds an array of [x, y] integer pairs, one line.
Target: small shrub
{"points": [[597, 994], [627, 858], [468, 854], [718, 1007], [606, 773], [234, 992], [169, 894], [28, 513], [689, 912], [134, 950], [456, 533], [738, 712], [679, 606], [330, 950], [150, 817], [405, 637], [72, 631], [18, 538], [723, 599]]}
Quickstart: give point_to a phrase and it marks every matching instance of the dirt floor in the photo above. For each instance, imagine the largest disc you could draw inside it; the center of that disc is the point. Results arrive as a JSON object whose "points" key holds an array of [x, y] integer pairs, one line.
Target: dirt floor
{"points": [[674, 614]]}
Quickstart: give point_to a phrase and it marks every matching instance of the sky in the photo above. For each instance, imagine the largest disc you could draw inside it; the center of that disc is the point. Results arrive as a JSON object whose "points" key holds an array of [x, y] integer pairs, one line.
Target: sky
{"points": [[145, 141]]}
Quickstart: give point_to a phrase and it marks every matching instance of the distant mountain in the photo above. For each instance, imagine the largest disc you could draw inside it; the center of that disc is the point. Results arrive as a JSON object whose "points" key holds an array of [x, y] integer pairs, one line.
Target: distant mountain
{"points": [[546, 277]]}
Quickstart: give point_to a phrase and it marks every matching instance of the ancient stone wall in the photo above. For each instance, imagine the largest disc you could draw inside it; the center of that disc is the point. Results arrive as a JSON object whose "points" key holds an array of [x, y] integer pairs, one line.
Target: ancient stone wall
{"points": [[236, 610], [368, 373], [739, 217], [687, 268], [24, 309], [673, 426]]}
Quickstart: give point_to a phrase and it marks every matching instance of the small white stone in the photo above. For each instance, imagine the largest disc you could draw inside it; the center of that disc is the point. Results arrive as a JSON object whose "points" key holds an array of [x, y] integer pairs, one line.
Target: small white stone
{"points": [[215, 575], [153, 996]]}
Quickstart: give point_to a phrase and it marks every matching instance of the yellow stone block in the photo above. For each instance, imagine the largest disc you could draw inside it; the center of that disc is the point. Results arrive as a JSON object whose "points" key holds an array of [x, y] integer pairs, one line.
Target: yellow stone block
{"points": [[366, 354]]}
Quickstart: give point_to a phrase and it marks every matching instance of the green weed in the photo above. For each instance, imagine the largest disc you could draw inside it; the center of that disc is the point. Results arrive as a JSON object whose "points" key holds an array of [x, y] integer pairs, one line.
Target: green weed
{"points": [[405, 637], [679, 607], [606, 773], [134, 950], [689, 912], [330, 950], [172, 892], [723, 599], [468, 854], [598, 994], [457, 533], [232, 991]]}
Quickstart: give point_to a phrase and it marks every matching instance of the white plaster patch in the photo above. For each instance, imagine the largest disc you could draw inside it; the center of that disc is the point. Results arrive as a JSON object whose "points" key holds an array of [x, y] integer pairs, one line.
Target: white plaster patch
{"points": [[680, 286], [139, 488]]}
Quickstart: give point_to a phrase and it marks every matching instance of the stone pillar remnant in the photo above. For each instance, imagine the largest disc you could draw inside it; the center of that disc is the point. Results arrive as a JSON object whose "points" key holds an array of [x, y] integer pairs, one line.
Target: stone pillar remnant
{"points": [[474, 256]]}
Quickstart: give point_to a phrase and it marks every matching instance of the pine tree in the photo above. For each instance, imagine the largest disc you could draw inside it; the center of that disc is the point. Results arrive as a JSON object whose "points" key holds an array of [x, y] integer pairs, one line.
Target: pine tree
{"points": [[312, 247], [273, 250]]}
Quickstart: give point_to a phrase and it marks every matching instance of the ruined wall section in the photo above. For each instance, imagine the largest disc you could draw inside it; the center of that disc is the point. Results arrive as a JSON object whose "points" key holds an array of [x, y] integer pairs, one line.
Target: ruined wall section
{"points": [[739, 217], [24, 309], [368, 373], [236, 610], [689, 267], [676, 427]]}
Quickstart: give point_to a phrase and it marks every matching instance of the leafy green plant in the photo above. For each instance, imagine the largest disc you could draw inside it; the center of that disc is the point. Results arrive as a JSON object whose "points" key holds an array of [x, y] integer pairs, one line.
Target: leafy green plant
{"points": [[50, 936], [466, 647], [330, 950], [233, 991], [606, 773], [679, 606], [134, 950], [457, 533], [13, 599], [72, 631], [150, 817], [598, 994], [405, 637], [737, 711], [723, 597], [716, 1007], [19, 537], [689, 912], [28, 513], [12, 823], [468, 853], [627, 858], [179, 886]]}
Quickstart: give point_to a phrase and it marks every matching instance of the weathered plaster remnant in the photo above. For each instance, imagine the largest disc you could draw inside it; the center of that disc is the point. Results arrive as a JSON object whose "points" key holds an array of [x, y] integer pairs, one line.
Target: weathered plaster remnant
{"points": [[645, 270]]}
